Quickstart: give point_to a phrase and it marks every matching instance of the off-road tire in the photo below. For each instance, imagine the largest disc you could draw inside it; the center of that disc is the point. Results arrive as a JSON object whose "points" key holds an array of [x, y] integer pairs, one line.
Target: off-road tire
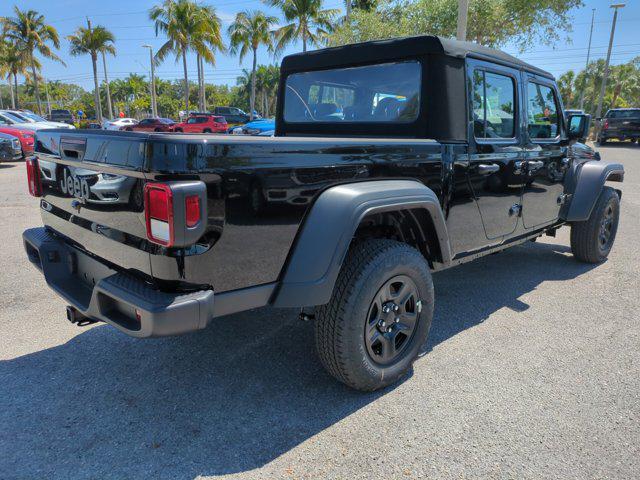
{"points": [[586, 242], [340, 324]]}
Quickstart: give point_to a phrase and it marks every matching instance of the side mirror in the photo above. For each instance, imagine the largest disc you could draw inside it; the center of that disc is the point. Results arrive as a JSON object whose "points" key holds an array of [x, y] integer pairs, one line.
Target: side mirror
{"points": [[579, 126]]}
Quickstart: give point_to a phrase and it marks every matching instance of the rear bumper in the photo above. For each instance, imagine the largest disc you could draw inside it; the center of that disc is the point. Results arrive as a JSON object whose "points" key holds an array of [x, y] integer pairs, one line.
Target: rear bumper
{"points": [[620, 134], [101, 293]]}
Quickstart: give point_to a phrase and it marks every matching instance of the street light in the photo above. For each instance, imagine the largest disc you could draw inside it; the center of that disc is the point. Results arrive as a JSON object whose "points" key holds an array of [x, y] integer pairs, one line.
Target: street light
{"points": [[615, 7], [154, 106]]}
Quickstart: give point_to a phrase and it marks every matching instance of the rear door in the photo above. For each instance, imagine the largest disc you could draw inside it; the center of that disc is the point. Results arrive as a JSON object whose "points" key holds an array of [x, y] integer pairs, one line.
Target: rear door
{"points": [[545, 153], [495, 147], [191, 125]]}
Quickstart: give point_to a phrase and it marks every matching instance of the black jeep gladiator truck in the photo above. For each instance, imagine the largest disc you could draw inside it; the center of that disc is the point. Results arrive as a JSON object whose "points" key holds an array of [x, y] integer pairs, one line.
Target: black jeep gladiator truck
{"points": [[392, 160]]}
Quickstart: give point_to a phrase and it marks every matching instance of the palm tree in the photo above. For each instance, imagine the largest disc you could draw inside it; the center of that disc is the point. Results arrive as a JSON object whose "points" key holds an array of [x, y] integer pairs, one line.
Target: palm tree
{"points": [[207, 38], [91, 41], [625, 77], [179, 21], [13, 62], [29, 32], [307, 22], [248, 32]]}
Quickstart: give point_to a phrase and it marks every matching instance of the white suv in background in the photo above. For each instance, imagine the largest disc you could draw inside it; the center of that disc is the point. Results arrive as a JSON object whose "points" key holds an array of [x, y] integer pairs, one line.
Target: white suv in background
{"points": [[33, 121]]}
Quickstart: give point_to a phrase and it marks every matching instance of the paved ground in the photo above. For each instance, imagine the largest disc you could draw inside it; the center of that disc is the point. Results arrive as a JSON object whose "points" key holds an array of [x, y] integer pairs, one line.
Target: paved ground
{"points": [[534, 372]]}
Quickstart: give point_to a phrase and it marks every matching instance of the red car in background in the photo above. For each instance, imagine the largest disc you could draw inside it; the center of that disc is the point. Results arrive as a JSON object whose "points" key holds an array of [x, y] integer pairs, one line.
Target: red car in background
{"points": [[26, 137], [151, 125], [203, 124]]}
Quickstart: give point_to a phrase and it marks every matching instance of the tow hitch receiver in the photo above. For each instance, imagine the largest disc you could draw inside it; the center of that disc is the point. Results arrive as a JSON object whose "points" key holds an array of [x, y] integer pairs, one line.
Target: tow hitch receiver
{"points": [[74, 316]]}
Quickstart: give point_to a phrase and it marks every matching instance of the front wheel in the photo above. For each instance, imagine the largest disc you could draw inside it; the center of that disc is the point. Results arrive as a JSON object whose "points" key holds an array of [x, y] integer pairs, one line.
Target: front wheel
{"points": [[591, 240], [379, 315]]}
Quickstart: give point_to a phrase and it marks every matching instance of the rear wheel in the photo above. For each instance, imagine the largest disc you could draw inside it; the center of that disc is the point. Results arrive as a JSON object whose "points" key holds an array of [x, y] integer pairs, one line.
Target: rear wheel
{"points": [[379, 315], [179, 130], [591, 240]]}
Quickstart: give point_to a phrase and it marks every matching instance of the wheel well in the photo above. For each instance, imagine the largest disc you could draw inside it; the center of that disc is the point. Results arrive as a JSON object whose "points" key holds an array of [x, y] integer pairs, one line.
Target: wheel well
{"points": [[411, 226]]}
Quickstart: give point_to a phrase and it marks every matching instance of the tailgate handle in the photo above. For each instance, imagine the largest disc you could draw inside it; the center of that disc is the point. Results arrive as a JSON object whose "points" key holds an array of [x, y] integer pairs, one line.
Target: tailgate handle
{"points": [[73, 148], [70, 153]]}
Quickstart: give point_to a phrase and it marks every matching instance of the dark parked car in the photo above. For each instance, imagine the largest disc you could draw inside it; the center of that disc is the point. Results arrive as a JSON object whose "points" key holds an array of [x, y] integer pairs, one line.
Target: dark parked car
{"points": [[152, 125], [10, 148], [392, 160], [59, 115], [233, 115], [620, 124]]}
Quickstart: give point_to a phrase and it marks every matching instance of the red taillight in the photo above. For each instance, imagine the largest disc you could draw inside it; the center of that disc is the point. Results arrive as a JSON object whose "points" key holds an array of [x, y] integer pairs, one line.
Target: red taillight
{"points": [[158, 209], [606, 124], [33, 177], [192, 210]]}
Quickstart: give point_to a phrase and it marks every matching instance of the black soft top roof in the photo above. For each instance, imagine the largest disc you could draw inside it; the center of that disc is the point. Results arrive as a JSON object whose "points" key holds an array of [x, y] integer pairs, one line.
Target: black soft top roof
{"points": [[368, 52]]}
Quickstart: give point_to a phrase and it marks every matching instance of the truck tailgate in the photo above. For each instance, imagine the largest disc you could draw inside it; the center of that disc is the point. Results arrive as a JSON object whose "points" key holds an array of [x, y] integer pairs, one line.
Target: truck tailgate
{"points": [[92, 194]]}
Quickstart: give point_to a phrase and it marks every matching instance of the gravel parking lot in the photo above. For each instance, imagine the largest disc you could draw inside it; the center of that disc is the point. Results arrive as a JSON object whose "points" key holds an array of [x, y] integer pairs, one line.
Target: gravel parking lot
{"points": [[533, 372]]}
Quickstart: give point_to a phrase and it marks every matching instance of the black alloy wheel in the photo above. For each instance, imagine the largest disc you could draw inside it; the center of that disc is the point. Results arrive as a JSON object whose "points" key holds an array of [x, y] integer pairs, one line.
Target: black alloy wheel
{"points": [[392, 319]]}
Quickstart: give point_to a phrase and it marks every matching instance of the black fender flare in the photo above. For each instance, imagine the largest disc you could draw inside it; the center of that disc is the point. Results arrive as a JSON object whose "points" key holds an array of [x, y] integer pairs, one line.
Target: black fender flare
{"points": [[323, 241], [589, 179]]}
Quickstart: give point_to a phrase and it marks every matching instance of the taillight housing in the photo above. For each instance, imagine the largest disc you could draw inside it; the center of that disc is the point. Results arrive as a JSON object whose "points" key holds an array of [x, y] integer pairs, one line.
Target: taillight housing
{"points": [[33, 177], [158, 209], [606, 124], [175, 212]]}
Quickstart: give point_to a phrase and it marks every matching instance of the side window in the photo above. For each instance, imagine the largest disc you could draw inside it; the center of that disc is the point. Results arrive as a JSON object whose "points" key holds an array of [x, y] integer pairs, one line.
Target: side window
{"points": [[493, 105], [542, 112], [191, 120]]}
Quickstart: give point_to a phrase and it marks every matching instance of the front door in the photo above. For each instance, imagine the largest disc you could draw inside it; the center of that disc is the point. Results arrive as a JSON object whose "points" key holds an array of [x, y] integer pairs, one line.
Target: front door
{"points": [[545, 153], [496, 150]]}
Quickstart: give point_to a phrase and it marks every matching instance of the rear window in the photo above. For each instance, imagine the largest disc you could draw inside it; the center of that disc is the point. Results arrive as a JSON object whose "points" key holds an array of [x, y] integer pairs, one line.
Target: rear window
{"points": [[383, 93], [219, 119], [623, 113]]}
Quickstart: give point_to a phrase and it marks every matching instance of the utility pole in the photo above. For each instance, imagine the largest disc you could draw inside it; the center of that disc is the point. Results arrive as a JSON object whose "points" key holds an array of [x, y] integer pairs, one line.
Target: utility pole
{"points": [[463, 8], [584, 77], [615, 7], [348, 10], [154, 106]]}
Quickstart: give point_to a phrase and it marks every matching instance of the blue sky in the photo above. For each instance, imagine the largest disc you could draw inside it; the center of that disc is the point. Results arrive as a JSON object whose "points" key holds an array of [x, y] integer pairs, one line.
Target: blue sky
{"points": [[128, 20]]}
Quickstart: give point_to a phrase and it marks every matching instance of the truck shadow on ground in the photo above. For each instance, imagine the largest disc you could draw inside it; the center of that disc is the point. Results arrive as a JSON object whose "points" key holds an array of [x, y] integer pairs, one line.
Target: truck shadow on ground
{"points": [[227, 400]]}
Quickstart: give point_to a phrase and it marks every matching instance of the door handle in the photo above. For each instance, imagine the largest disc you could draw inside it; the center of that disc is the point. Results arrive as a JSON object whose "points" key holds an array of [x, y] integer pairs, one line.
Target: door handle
{"points": [[535, 165], [484, 169]]}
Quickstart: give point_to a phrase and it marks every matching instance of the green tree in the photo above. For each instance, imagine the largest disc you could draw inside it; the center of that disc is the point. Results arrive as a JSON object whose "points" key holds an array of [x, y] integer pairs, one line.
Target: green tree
{"points": [[248, 32], [625, 78], [207, 39], [180, 21], [13, 62], [92, 41], [490, 22], [308, 22], [566, 85], [29, 32]]}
